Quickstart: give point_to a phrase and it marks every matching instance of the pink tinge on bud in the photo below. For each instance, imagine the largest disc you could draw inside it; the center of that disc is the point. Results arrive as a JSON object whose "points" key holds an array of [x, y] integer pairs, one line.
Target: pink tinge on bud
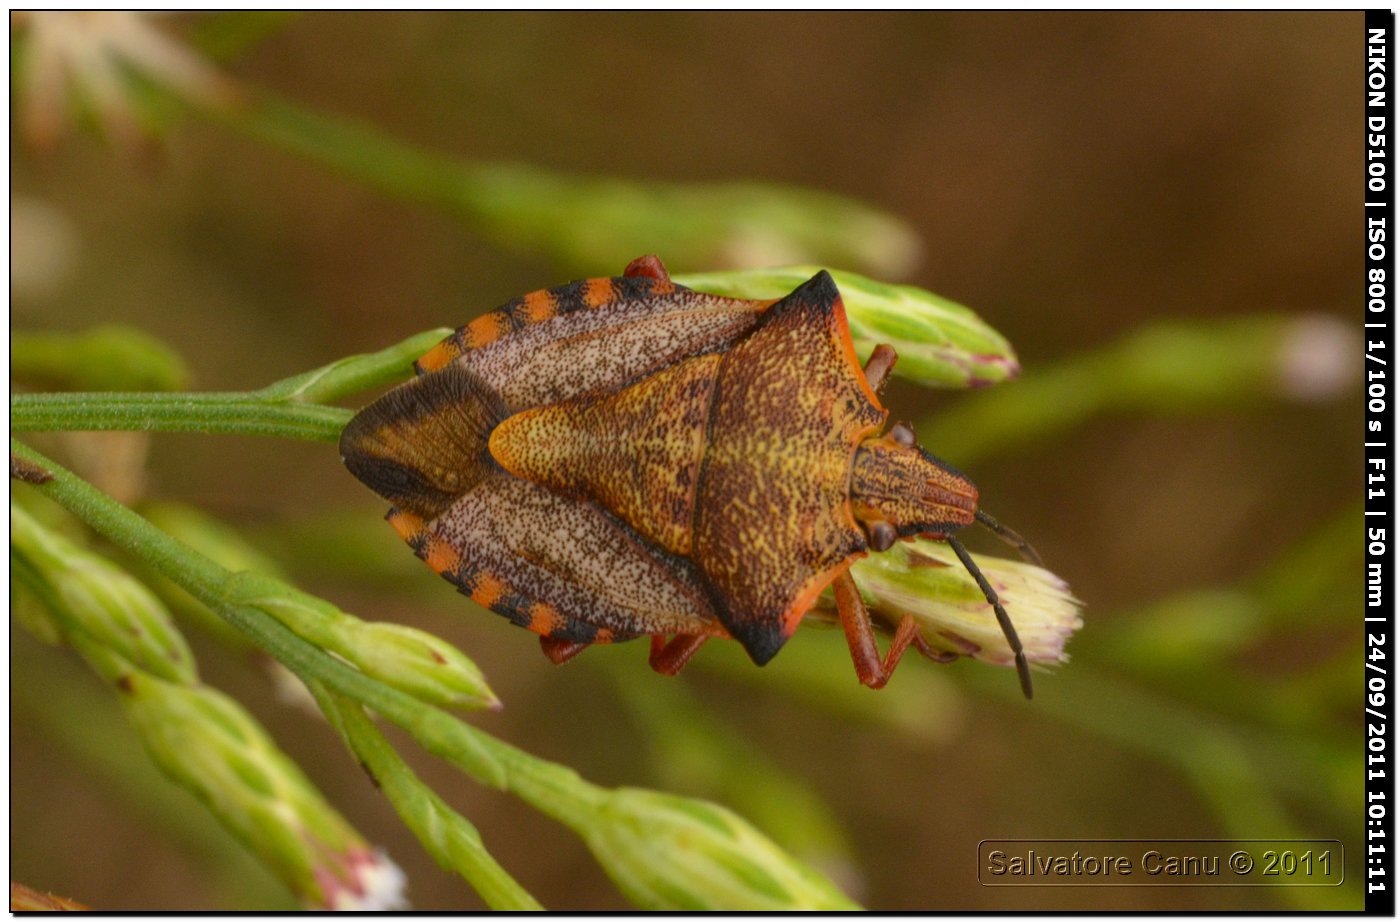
{"points": [[366, 881], [1009, 368]]}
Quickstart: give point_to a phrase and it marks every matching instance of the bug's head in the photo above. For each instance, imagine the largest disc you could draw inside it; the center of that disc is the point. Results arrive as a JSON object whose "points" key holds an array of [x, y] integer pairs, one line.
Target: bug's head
{"points": [[898, 490]]}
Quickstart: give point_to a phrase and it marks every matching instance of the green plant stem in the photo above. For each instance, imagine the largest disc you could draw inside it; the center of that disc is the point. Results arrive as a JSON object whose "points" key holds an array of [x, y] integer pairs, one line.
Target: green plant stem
{"points": [[580, 220], [395, 168], [227, 413], [555, 790], [452, 841], [437, 731], [355, 373], [290, 408]]}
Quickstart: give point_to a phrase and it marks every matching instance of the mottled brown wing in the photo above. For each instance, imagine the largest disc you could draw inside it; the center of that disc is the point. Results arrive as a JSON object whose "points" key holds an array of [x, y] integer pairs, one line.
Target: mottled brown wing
{"points": [[591, 337], [562, 568], [773, 521]]}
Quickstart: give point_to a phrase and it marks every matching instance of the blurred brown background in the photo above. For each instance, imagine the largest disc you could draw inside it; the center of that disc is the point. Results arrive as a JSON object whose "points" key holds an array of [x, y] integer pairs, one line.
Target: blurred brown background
{"points": [[1073, 176]]}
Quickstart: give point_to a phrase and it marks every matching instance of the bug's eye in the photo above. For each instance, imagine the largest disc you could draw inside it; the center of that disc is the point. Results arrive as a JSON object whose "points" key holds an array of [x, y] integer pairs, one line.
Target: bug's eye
{"points": [[882, 535], [902, 435]]}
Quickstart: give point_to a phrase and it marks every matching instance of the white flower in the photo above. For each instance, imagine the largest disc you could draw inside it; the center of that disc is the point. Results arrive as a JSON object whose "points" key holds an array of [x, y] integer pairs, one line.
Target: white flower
{"points": [[88, 56], [368, 882], [924, 578]]}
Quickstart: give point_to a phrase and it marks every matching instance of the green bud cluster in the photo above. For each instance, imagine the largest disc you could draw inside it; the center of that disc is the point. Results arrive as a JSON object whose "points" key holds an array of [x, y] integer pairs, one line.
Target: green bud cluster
{"points": [[681, 854], [209, 744], [940, 343], [406, 658], [89, 594], [924, 578]]}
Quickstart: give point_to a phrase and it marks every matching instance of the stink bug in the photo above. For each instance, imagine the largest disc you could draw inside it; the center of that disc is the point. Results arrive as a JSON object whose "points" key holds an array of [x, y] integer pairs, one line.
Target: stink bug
{"points": [[621, 457]]}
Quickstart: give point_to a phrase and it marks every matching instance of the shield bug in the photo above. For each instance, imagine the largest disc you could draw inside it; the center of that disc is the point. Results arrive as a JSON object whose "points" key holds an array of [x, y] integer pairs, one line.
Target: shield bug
{"points": [[626, 457]]}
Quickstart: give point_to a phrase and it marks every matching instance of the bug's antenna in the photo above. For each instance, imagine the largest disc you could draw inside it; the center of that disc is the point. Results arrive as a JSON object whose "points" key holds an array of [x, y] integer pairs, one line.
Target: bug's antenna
{"points": [[1023, 668], [1023, 546]]}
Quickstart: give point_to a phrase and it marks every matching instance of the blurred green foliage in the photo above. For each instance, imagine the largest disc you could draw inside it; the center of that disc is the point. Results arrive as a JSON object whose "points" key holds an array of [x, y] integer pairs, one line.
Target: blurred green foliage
{"points": [[105, 358]]}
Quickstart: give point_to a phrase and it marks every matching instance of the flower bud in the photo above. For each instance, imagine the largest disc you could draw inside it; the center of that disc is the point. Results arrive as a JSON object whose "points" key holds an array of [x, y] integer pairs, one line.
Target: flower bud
{"points": [[414, 661], [421, 664], [671, 853], [209, 744], [91, 594], [940, 343], [1315, 358], [362, 880], [924, 578]]}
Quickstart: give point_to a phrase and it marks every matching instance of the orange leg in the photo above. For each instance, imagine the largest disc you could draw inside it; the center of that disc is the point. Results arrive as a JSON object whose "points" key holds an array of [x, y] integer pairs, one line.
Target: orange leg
{"points": [[669, 658], [560, 651], [860, 636]]}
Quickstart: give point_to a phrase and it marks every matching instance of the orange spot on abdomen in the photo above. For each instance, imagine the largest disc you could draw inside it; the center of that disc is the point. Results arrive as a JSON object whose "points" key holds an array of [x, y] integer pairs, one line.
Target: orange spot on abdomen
{"points": [[537, 306], [440, 355], [486, 329], [487, 590], [544, 619], [442, 557], [597, 292], [408, 525]]}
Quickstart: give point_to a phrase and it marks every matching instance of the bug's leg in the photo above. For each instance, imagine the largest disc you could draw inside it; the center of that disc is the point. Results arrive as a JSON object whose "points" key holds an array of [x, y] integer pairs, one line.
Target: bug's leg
{"points": [[560, 651], [1021, 545], [928, 652], [648, 266], [669, 658], [878, 366], [1023, 668], [860, 636]]}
